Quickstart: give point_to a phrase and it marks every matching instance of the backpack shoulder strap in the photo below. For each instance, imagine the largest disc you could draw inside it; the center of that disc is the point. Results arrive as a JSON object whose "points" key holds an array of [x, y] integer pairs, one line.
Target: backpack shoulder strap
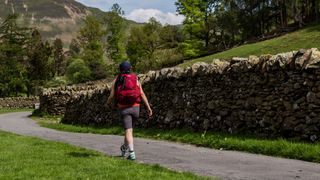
{"points": [[116, 83], [121, 80]]}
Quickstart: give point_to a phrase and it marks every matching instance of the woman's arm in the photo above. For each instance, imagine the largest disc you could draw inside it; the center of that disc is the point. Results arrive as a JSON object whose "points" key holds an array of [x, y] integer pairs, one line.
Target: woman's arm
{"points": [[145, 101], [111, 96]]}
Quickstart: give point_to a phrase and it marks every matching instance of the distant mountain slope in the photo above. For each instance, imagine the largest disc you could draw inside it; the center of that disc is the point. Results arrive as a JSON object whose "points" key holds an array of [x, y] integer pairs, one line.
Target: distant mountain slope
{"points": [[308, 37], [54, 18], [43, 8]]}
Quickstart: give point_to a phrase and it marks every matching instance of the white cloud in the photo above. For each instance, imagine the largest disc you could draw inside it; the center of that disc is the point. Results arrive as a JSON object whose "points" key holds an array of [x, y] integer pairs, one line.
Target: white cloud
{"points": [[143, 15]]}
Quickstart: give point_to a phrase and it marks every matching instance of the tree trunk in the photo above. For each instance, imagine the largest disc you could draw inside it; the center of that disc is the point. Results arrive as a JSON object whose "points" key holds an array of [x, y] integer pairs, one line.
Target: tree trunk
{"points": [[298, 11], [259, 19], [303, 13], [280, 6], [233, 38], [207, 38], [206, 30], [284, 13], [315, 5]]}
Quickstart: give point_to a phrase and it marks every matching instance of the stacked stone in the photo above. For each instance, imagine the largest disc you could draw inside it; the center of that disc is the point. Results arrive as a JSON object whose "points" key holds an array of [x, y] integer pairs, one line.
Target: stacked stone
{"points": [[54, 100], [19, 102], [267, 96]]}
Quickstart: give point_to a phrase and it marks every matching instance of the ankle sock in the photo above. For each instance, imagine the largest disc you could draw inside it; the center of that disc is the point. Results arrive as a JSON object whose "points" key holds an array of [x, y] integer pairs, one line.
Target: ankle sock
{"points": [[130, 147]]}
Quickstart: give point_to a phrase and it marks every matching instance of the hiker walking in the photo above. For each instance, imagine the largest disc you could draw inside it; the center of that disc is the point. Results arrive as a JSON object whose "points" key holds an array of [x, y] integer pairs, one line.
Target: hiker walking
{"points": [[127, 93]]}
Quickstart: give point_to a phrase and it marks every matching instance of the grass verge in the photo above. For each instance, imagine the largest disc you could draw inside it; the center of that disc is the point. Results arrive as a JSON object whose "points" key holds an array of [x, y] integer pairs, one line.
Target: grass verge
{"points": [[33, 158], [306, 38], [6, 110], [273, 147]]}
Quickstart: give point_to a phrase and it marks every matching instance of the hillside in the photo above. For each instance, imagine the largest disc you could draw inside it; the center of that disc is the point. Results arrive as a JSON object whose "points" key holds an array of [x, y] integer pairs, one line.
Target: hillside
{"points": [[54, 18], [42, 9], [305, 38]]}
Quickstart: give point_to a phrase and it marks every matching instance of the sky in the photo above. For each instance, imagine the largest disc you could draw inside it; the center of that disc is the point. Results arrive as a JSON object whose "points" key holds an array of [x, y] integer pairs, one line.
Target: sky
{"points": [[141, 10]]}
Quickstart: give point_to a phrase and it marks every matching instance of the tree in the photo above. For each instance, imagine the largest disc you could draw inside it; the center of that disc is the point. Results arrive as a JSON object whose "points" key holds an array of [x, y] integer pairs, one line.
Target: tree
{"points": [[281, 5], [74, 47], [59, 61], [78, 72], [90, 38], [115, 33], [134, 50], [39, 69], [93, 57], [91, 32], [151, 32], [143, 42], [170, 37], [197, 13], [13, 38]]}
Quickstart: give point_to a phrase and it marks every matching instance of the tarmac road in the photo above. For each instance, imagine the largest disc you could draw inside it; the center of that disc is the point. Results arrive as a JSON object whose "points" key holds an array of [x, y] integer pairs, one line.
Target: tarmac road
{"points": [[181, 157]]}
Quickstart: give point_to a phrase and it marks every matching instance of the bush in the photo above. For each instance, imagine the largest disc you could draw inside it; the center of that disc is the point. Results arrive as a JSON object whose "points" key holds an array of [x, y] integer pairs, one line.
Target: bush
{"points": [[192, 48], [38, 113], [56, 81], [161, 59], [78, 72], [93, 58]]}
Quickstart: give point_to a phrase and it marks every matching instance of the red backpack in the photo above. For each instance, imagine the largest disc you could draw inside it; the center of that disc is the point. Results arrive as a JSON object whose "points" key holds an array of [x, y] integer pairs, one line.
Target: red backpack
{"points": [[126, 89]]}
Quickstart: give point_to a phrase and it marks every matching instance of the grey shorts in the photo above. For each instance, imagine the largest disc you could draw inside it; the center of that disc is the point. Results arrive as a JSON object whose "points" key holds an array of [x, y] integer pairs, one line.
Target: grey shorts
{"points": [[129, 116]]}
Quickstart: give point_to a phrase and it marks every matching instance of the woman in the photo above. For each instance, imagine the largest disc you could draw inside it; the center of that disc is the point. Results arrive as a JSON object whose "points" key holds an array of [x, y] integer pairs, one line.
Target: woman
{"points": [[127, 93]]}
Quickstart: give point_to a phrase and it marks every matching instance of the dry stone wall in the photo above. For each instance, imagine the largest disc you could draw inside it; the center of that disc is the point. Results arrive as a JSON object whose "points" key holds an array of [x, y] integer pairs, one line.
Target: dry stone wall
{"points": [[268, 96], [53, 101], [19, 102]]}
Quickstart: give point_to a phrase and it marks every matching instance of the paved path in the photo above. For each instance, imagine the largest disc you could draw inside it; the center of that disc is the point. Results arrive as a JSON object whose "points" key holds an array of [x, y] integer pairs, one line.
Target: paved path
{"points": [[202, 161]]}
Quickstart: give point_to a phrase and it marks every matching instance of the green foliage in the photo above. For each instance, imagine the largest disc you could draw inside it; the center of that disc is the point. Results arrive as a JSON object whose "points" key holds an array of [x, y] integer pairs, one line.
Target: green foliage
{"points": [[24, 58], [152, 36], [191, 48], [135, 51], [302, 39], [223, 24], [93, 58], [90, 38], [91, 32], [74, 47], [38, 113], [217, 24], [39, 68], [170, 36], [59, 61], [153, 46], [143, 42], [161, 58], [78, 72], [196, 23], [56, 82], [115, 34], [13, 41], [106, 39]]}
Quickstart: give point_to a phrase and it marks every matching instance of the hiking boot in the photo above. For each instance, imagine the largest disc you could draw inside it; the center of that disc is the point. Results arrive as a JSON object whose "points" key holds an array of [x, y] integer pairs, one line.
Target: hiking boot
{"points": [[132, 156], [123, 150]]}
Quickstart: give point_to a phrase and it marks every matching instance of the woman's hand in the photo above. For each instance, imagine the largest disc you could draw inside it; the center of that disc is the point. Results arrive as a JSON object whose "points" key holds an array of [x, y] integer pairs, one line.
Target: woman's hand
{"points": [[150, 112]]}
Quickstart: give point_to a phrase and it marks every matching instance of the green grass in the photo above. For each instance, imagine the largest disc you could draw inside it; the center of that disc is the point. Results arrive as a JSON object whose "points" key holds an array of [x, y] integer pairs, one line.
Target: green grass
{"points": [[272, 147], [6, 110], [33, 158], [306, 38]]}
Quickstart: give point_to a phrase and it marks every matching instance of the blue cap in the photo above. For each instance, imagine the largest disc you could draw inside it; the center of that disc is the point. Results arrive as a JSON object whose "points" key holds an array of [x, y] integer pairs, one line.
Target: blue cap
{"points": [[125, 66]]}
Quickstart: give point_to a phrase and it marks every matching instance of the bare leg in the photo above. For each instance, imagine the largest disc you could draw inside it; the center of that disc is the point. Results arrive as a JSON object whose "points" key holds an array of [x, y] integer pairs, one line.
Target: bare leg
{"points": [[128, 139]]}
